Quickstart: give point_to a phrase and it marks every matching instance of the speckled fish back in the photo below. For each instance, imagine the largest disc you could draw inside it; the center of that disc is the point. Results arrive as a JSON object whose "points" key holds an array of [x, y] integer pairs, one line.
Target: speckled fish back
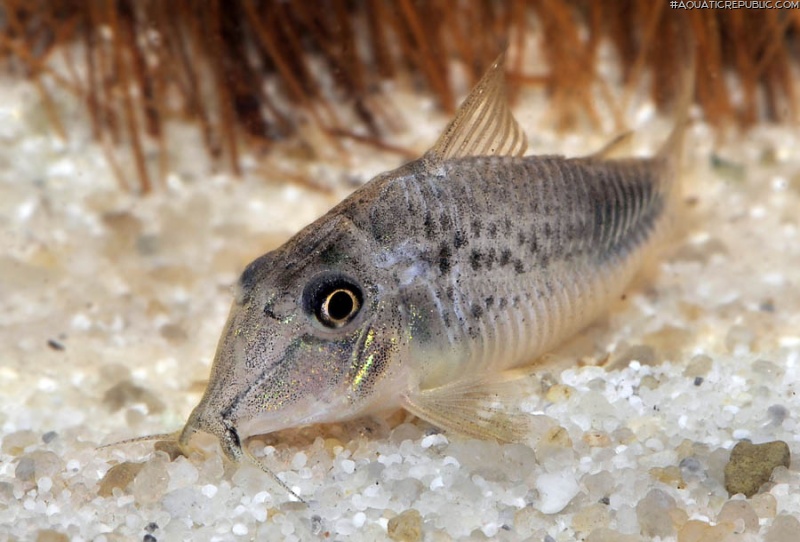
{"points": [[506, 256]]}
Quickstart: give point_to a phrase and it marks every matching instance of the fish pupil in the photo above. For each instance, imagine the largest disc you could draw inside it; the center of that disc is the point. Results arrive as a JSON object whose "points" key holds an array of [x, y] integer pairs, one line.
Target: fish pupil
{"points": [[339, 305]]}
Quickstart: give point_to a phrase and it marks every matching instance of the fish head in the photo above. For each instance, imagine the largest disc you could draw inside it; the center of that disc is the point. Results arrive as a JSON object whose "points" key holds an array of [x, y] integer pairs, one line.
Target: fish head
{"points": [[311, 338]]}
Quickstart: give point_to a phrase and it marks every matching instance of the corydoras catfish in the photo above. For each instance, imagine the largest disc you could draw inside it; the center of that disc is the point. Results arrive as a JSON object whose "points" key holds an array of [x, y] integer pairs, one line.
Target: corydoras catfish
{"points": [[425, 283]]}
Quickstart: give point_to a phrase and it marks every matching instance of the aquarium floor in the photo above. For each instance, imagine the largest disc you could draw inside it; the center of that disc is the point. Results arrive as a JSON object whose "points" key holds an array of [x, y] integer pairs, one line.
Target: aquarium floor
{"points": [[111, 305]]}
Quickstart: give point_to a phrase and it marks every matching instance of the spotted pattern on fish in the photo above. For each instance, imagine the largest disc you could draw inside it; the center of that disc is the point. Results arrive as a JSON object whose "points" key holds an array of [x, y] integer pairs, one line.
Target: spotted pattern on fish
{"points": [[574, 220]]}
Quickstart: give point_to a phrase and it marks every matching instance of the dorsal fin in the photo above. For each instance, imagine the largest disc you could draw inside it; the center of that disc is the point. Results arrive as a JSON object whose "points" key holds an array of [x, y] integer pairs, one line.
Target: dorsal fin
{"points": [[483, 125]]}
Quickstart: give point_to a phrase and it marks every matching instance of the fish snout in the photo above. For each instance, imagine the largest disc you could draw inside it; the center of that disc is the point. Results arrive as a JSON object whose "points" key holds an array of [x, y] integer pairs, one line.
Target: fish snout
{"points": [[202, 420]]}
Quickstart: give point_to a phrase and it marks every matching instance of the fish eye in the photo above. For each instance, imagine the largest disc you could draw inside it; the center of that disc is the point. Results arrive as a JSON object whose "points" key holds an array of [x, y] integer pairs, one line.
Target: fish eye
{"points": [[333, 300]]}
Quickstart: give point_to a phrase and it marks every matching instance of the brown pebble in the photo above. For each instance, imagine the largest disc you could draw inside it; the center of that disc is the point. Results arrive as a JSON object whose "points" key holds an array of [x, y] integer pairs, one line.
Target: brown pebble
{"points": [[127, 393], [700, 531], [169, 447], [49, 535], [700, 365], [118, 476], [559, 393], [406, 527], [750, 465], [173, 333], [669, 475]]}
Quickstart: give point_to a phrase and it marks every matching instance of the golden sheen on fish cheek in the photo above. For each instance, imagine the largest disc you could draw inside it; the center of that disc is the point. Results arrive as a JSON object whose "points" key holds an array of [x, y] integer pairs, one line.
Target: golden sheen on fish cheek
{"points": [[319, 378]]}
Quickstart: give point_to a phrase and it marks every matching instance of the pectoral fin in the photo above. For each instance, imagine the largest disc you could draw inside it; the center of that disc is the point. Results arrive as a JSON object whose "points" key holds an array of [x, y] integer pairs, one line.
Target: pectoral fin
{"points": [[483, 125], [481, 409]]}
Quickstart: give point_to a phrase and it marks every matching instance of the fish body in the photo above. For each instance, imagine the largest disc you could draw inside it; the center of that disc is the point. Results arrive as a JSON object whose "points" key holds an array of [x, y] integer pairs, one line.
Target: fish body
{"points": [[417, 288]]}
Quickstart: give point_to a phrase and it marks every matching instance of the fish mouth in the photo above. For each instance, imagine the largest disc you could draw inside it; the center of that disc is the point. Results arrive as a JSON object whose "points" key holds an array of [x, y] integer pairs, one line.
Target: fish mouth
{"points": [[231, 444], [232, 428], [223, 429]]}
